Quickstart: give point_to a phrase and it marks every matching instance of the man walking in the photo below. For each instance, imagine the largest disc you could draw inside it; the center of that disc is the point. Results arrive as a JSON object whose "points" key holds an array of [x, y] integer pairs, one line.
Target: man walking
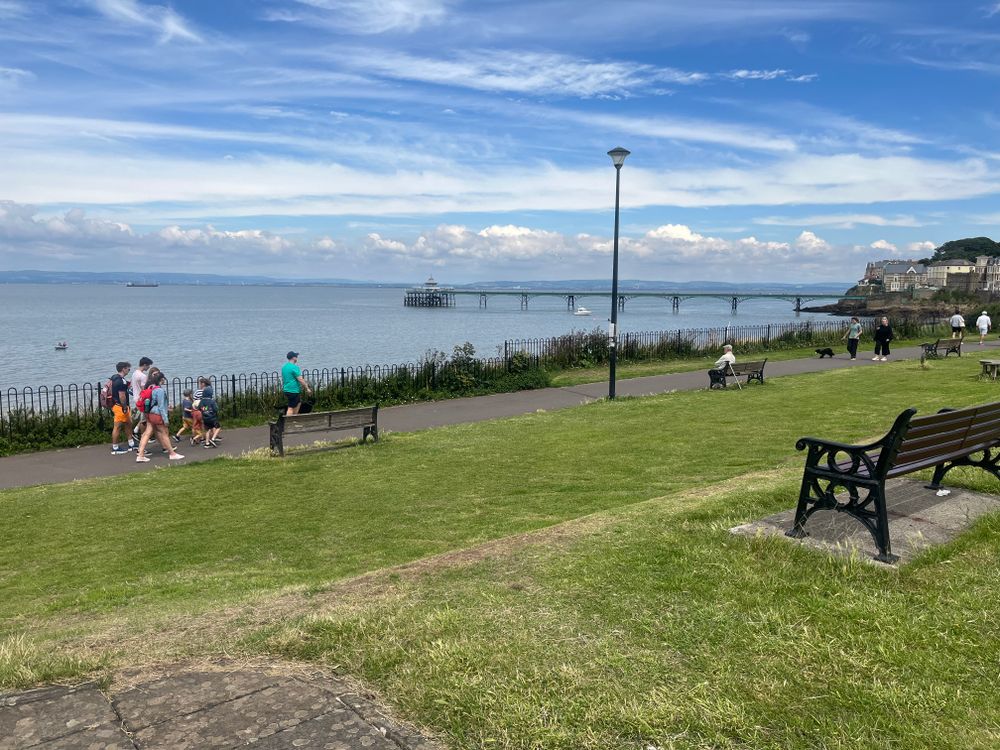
{"points": [[983, 323], [957, 325], [119, 408], [137, 384], [292, 383]]}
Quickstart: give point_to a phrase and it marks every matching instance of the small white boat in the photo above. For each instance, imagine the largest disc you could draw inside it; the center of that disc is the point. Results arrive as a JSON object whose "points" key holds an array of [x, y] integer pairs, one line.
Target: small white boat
{"points": [[582, 311]]}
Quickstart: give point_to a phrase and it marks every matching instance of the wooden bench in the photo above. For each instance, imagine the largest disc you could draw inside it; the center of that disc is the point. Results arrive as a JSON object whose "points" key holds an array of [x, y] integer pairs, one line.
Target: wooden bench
{"points": [[752, 371], [932, 350], [323, 421], [944, 440]]}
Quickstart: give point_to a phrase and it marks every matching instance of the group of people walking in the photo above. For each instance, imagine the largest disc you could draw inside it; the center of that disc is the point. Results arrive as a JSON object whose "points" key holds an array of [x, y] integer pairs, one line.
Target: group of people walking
{"points": [[140, 407]]}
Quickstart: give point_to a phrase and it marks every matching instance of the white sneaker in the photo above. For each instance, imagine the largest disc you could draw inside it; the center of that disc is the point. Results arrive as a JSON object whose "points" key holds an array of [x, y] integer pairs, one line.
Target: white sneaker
{"points": [[874, 359], [884, 359], [176, 457], [141, 459]]}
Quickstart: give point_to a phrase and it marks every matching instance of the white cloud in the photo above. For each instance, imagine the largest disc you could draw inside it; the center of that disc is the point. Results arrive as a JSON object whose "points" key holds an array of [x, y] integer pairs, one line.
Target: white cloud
{"points": [[921, 248], [884, 246], [542, 73], [12, 78], [373, 16], [810, 244], [841, 221], [667, 251], [162, 19], [12, 9]]}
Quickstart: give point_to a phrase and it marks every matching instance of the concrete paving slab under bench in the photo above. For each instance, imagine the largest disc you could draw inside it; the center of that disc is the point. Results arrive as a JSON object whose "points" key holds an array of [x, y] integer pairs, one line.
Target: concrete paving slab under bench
{"points": [[220, 705], [918, 519]]}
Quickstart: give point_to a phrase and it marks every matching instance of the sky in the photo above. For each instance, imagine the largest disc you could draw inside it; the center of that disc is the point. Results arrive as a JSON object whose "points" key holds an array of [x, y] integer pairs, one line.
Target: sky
{"points": [[390, 140]]}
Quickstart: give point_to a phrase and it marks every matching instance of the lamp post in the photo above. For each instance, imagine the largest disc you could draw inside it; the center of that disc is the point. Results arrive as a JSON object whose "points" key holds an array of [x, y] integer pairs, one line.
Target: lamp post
{"points": [[617, 158]]}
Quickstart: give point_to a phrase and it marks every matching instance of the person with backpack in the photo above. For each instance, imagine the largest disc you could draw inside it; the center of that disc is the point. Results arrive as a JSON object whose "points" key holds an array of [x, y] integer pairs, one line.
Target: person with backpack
{"points": [[153, 401], [210, 417], [114, 396]]}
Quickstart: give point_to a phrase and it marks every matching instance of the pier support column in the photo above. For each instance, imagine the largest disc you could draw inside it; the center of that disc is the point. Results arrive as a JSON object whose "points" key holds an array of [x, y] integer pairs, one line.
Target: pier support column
{"points": [[675, 304]]}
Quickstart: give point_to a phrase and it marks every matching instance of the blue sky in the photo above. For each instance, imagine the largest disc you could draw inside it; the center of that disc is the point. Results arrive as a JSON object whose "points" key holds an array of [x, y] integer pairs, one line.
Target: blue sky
{"points": [[393, 139]]}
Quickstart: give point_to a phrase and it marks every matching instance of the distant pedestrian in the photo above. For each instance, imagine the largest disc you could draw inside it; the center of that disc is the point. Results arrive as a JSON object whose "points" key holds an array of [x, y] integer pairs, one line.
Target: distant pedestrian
{"points": [[957, 325], [157, 418], [883, 335], [292, 383], [853, 336], [984, 324], [137, 384], [119, 409]]}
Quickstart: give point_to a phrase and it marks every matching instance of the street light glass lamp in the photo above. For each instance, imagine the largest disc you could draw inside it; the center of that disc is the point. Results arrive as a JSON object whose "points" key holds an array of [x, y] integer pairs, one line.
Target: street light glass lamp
{"points": [[618, 156]]}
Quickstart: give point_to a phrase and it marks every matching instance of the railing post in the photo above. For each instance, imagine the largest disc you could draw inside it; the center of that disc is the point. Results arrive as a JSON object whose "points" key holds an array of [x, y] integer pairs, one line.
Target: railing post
{"points": [[232, 395]]}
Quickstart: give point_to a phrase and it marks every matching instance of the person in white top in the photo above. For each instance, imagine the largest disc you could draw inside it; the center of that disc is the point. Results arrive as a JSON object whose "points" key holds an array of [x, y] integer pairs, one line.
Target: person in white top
{"points": [[727, 358], [957, 326], [984, 324], [136, 384]]}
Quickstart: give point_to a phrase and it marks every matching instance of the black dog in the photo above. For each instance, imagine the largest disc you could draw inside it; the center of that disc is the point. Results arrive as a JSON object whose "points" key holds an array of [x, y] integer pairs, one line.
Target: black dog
{"points": [[825, 352]]}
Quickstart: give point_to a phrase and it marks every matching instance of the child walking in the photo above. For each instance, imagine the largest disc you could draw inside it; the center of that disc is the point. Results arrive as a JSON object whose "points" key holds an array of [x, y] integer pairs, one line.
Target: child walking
{"points": [[187, 415]]}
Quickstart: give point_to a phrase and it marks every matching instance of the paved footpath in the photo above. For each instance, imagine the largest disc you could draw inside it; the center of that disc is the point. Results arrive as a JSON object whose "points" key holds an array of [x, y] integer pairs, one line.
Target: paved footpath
{"points": [[50, 467], [219, 705], [228, 705]]}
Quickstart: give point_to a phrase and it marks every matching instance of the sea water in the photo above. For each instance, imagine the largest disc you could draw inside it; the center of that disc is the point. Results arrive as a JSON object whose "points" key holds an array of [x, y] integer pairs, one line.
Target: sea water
{"points": [[215, 330]]}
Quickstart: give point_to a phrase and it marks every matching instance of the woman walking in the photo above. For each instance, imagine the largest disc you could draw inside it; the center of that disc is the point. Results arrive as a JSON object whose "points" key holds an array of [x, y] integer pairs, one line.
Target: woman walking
{"points": [[157, 420], [883, 335], [853, 336]]}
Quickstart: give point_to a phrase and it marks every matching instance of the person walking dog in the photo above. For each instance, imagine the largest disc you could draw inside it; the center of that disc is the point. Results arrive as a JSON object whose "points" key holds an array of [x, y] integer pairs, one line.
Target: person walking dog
{"points": [[853, 336]]}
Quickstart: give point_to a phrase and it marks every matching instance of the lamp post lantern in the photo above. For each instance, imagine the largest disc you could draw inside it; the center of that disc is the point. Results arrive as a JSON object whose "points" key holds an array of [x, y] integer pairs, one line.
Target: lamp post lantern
{"points": [[617, 158]]}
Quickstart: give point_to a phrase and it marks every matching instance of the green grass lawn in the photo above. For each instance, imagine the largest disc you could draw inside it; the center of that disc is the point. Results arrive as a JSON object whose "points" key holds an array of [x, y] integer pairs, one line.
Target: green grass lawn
{"points": [[587, 593]]}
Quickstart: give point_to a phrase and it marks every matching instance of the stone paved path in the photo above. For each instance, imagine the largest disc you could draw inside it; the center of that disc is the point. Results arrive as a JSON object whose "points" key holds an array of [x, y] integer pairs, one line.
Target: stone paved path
{"points": [[222, 705]]}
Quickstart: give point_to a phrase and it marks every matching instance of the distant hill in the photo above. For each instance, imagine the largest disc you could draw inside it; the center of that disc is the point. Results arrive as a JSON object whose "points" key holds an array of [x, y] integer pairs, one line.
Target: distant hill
{"points": [[967, 249], [205, 279]]}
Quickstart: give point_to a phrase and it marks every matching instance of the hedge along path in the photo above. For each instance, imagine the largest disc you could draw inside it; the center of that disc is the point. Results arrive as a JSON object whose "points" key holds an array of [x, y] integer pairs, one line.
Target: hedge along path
{"points": [[126, 640]]}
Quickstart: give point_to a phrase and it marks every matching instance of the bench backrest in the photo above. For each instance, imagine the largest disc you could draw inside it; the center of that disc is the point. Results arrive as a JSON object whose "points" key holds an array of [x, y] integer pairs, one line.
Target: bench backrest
{"points": [[741, 368], [329, 420], [931, 439]]}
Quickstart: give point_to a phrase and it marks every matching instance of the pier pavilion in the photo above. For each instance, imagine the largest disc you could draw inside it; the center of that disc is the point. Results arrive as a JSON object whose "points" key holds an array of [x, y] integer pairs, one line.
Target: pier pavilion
{"points": [[430, 295]]}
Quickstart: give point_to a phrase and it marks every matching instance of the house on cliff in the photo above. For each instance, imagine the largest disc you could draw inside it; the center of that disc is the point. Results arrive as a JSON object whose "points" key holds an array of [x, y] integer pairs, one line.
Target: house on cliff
{"points": [[904, 275]]}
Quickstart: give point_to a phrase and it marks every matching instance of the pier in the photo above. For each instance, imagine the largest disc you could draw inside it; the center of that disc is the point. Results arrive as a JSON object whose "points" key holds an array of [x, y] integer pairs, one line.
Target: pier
{"points": [[431, 295]]}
